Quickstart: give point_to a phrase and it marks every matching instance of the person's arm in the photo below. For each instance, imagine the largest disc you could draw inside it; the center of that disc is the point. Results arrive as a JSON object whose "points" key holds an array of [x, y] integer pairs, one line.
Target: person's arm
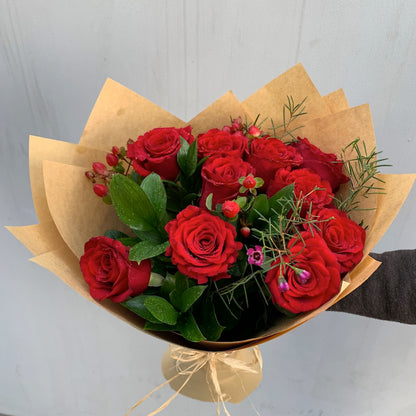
{"points": [[390, 293]]}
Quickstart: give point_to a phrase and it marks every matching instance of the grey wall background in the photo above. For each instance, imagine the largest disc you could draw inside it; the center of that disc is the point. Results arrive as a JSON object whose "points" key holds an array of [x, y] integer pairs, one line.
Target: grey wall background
{"points": [[61, 355]]}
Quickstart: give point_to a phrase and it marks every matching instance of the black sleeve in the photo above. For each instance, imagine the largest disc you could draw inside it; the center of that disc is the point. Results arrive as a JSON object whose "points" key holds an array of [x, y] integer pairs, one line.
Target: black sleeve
{"points": [[390, 293]]}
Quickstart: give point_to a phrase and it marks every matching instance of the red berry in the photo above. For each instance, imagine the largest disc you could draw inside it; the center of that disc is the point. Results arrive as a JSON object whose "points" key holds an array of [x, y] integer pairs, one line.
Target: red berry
{"points": [[230, 209], [115, 150], [111, 159], [245, 231], [236, 125], [99, 168], [249, 182], [100, 189], [254, 131]]}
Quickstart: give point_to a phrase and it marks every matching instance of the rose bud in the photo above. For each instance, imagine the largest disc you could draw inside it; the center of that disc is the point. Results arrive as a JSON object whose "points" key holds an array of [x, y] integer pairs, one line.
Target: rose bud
{"points": [[111, 159], [90, 174], [230, 209], [254, 131], [100, 189], [245, 231], [115, 150], [99, 168]]}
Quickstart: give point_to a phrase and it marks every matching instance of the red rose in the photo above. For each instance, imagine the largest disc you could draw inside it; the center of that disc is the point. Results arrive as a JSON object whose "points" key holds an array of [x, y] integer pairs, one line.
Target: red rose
{"points": [[326, 165], [305, 184], [313, 256], [202, 245], [220, 177], [218, 142], [344, 237], [156, 151], [109, 273], [269, 155]]}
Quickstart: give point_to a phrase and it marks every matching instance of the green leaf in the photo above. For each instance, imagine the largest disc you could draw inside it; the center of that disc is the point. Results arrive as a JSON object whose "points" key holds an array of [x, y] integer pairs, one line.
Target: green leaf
{"points": [[182, 282], [208, 322], [208, 201], [168, 285], [187, 157], [192, 157], [115, 234], [189, 328], [132, 204], [260, 207], [176, 299], [129, 241], [150, 326], [280, 203], [137, 305], [153, 187], [259, 182], [156, 279], [146, 250], [161, 309], [190, 296], [241, 201]]}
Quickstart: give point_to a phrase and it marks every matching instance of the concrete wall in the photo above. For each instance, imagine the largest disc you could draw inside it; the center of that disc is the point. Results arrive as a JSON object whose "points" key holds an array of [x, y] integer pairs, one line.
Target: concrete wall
{"points": [[61, 355]]}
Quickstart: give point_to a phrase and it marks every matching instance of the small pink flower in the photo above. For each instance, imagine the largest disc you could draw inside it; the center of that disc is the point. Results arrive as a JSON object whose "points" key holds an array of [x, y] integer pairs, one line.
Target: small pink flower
{"points": [[255, 255], [283, 285]]}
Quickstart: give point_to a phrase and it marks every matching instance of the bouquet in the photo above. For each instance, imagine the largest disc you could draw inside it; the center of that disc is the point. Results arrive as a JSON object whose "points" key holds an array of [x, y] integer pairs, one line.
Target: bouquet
{"points": [[221, 233], [229, 230]]}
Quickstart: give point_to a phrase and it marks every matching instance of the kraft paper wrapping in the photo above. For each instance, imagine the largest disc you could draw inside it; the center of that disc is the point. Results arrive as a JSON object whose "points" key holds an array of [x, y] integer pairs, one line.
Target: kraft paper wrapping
{"points": [[231, 375], [120, 114]]}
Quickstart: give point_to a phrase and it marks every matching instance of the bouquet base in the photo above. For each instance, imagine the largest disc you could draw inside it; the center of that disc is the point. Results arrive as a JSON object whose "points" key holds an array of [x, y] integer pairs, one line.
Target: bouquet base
{"points": [[213, 376]]}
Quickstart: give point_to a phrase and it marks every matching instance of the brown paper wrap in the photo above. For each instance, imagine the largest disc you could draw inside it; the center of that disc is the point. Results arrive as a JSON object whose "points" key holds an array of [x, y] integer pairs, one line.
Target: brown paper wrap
{"points": [[64, 202], [231, 376]]}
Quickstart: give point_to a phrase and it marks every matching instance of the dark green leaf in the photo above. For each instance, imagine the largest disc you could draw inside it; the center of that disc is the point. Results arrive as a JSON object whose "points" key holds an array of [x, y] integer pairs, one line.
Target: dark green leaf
{"points": [[187, 157], [181, 282], [260, 207], [137, 306], [168, 285], [129, 241], [208, 322], [190, 296], [154, 236], [132, 204], [192, 158], [189, 328], [161, 309], [115, 234], [182, 155], [280, 203], [147, 250], [153, 187], [176, 299], [150, 326]]}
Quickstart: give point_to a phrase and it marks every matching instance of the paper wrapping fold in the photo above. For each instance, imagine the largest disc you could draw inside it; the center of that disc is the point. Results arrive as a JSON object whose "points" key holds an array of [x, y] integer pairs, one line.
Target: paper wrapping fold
{"points": [[67, 220]]}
